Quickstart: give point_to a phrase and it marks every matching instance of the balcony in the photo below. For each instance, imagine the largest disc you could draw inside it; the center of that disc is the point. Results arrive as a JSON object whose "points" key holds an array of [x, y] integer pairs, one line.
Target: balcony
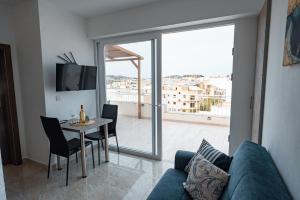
{"points": [[183, 131]]}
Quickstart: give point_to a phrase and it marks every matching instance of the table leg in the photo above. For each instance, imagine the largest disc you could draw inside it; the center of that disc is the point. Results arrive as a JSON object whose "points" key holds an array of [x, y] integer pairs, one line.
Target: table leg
{"points": [[83, 158], [106, 142], [58, 163]]}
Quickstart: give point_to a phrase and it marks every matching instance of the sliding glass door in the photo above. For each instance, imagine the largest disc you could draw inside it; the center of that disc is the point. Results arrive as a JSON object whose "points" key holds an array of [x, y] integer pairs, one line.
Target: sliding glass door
{"points": [[128, 77]]}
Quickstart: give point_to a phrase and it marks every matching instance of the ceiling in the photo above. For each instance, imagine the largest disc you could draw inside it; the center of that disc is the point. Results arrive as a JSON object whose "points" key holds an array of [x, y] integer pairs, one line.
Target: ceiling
{"points": [[90, 8]]}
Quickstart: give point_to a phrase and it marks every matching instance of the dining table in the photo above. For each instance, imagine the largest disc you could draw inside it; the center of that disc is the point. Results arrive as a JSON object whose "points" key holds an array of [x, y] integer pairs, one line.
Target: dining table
{"points": [[82, 129]]}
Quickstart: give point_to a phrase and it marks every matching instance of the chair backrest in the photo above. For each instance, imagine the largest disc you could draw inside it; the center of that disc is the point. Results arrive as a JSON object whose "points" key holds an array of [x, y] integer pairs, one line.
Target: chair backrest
{"points": [[110, 112], [58, 142]]}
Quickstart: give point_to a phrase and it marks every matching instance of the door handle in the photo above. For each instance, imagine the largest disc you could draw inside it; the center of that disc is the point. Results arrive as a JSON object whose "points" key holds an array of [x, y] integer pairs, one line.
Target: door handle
{"points": [[158, 105]]}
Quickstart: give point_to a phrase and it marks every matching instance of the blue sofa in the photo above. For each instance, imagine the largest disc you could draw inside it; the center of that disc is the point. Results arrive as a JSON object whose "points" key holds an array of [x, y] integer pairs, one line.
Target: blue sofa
{"points": [[253, 175]]}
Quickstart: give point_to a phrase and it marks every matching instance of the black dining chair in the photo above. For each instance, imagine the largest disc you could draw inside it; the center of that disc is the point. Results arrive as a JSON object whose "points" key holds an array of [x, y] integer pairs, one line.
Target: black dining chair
{"points": [[110, 112], [58, 143]]}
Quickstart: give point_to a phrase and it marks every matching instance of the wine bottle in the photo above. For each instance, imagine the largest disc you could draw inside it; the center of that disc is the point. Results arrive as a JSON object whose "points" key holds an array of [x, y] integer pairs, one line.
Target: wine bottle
{"points": [[82, 115]]}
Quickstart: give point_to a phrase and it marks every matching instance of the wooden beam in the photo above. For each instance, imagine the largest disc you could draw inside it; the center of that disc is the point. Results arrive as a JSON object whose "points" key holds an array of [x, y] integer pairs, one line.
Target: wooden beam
{"points": [[121, 59], [137, 65], [115, 51], [126, 51]]}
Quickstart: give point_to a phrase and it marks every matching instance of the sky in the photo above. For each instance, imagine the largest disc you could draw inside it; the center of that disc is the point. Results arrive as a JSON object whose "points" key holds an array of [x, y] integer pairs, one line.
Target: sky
{"points": [[206, 52]]}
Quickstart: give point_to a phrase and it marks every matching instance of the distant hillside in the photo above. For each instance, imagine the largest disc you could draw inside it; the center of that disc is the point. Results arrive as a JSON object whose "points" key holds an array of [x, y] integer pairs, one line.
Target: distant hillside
{"points": [[118, 77], [184, 76]]}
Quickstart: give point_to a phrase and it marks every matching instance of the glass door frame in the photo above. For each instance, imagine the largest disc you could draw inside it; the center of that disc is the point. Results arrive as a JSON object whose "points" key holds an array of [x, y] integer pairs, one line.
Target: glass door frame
{"points": [[155, 38]]}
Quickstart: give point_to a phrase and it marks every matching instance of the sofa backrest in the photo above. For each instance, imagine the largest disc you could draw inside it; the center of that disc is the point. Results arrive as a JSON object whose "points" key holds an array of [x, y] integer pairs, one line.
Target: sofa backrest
{"points": [[253, 175]]}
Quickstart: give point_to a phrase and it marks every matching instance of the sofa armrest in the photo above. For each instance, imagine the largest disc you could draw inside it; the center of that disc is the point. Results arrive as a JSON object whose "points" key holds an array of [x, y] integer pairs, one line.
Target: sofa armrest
{"points": [[182, 158]]}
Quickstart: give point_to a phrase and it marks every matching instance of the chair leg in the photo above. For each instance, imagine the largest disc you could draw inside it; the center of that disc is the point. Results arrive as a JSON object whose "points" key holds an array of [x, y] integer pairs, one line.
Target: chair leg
{"points": [[67, 177], [49, 163], [117, 144], [98, 152], [102, 145], [76, 158], [93, 155]]}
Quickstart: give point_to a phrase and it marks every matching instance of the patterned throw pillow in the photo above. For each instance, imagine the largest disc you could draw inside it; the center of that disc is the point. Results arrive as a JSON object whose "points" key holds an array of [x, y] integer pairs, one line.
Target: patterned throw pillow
{"points": [[205, 181], [211, 154]]}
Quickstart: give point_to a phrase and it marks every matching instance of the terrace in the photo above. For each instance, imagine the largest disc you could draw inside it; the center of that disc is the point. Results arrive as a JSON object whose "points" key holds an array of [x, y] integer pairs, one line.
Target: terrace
{"points": [[183, 131], [193, 108]]}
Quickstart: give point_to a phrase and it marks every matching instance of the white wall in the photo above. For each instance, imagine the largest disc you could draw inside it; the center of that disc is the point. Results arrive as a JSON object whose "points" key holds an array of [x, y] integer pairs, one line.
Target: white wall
{"points": [[27, 34], [172, 13], [38, 31], [7, 36], [281, 128], [62, 32]]}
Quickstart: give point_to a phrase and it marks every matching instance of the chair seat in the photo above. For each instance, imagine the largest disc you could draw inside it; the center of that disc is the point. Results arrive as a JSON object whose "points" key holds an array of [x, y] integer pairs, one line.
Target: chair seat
{"points": [[75, 145], [97, 135]]}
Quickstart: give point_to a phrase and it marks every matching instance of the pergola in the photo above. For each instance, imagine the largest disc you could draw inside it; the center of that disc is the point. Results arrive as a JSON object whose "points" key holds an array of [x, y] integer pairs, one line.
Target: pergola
{"points": [[115, 53]]}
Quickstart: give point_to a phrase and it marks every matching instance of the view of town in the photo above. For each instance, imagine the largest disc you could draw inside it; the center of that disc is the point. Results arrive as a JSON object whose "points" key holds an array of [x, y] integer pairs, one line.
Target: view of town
{"points": [[180, 94], [195, 90]]}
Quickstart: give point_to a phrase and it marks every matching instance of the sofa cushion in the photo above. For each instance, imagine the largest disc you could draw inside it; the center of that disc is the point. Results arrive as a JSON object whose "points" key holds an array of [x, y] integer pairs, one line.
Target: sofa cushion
{"points": [[205, 180], [211, 154], [253, 175], [170, 187]]}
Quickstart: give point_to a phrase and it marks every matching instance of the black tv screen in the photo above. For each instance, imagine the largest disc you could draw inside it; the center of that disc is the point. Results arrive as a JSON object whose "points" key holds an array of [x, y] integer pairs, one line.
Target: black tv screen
{"points": [[70, 77]]}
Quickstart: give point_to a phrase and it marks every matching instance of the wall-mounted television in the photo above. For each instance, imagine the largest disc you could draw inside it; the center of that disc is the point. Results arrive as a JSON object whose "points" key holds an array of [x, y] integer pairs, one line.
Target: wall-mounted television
{"points": [[73, 77]]}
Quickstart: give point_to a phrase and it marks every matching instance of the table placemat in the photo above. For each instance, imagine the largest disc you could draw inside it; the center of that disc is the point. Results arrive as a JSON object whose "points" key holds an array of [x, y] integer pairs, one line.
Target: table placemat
{"points": [[83, 124]]}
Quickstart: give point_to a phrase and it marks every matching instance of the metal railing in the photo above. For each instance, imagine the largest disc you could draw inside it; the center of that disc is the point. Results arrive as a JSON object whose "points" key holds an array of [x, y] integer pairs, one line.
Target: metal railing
{"points": [[215, 105]]}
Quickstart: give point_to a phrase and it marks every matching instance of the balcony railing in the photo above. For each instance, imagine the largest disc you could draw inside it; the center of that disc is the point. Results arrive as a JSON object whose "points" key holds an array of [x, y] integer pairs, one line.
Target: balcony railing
{"points": [[208, 109]]}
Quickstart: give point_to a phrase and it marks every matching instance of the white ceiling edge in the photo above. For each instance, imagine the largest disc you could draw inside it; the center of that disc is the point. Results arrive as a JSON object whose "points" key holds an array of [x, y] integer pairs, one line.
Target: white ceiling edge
{"points": [[179, 13], [193, 25]]}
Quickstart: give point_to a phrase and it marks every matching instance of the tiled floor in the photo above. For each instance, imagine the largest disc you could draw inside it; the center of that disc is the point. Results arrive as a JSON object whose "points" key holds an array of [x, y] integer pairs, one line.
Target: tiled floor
{"points": [[136, 133], [124, 177]]}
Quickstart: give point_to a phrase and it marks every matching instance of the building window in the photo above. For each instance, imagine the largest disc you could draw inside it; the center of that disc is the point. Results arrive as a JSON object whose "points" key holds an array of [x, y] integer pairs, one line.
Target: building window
{"points": [[174, 103], [184, 96], [184, 104], [192, 105], [192, 97], [174, 96]]}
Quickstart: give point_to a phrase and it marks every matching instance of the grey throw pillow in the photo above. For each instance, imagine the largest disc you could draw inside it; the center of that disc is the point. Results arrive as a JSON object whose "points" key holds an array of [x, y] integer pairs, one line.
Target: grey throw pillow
{"points": [[211, 154], [205, 181]]}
